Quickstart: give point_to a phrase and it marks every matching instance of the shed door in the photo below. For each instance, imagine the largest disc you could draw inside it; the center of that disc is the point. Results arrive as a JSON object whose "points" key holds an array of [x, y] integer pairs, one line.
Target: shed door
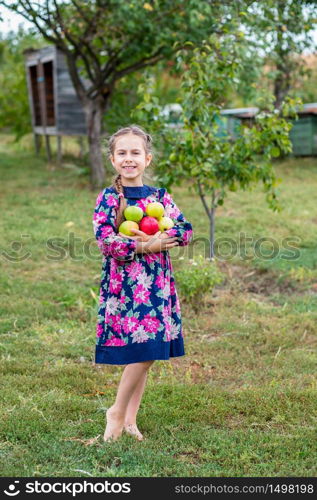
{"points": [[49, 93], [35, 95], [42, 87]]}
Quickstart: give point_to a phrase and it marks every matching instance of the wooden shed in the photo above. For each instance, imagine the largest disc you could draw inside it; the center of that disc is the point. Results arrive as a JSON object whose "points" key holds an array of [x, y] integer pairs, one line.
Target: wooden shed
{"points": [[303, 134], [55, 107]]}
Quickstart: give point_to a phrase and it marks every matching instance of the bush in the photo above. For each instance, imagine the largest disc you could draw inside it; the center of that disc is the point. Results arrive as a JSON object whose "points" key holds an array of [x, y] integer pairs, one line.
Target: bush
{"points": [[197, 278]]}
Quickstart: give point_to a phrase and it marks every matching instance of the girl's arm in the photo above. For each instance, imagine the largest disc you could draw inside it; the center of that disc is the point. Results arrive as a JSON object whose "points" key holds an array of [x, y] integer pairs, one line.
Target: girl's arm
{"points": [[156, 244], [108, 241], [182, 229]]}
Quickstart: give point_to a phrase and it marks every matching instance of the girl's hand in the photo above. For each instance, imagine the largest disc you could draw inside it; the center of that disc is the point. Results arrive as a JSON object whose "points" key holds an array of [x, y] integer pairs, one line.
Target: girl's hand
{"points": [[138, 238], [146, 237], [140, 235], [157, 243]]}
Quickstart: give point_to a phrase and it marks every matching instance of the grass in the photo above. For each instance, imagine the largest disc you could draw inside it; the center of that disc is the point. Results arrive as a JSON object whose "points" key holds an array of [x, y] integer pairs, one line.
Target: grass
{"points": [[242, 402]]}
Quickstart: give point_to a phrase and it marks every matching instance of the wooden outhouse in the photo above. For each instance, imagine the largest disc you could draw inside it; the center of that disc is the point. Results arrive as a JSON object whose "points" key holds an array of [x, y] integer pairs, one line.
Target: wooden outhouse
{"points": [[55, 107]]}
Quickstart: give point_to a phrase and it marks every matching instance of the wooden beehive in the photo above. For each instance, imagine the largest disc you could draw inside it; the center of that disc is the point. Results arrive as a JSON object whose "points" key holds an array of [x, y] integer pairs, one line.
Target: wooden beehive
{"points": [[55, 107]]}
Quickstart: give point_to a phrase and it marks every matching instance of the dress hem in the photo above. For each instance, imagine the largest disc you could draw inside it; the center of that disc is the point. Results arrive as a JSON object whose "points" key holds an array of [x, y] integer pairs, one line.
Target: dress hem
{"points": [[114, 355]]}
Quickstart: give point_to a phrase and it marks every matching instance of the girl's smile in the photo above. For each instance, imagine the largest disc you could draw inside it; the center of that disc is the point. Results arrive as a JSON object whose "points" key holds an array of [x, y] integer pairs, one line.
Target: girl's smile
{"points": [[130, 159]]}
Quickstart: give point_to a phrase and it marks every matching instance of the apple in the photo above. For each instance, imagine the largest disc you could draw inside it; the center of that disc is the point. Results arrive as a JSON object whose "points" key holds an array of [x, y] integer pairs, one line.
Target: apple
{"points": [[126, 226], [133, 213], [165, 223], [155, 209], [149, 225]]}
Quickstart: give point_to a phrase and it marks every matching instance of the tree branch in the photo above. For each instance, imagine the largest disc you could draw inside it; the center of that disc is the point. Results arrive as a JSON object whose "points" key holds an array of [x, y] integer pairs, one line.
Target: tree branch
{"points": [[147, 61]]}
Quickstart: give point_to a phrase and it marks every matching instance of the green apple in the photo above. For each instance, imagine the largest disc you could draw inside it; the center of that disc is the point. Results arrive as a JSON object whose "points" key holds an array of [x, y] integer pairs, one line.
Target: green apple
{"points": [[126, 226], [165, 223], [155, 209], [133, 213]]}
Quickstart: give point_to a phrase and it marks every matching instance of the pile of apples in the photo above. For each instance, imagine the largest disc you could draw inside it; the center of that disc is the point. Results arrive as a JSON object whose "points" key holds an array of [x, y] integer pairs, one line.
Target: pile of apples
{"points": [[153, 222]]}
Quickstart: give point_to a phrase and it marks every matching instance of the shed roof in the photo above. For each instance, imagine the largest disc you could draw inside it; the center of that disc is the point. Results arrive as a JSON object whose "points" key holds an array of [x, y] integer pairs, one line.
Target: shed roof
{"points": [[309, 108]]}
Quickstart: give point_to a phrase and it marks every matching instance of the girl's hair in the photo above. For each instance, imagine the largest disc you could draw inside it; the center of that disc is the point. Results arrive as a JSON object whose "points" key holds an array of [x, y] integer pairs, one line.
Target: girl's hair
{"points": [[117, 183]]}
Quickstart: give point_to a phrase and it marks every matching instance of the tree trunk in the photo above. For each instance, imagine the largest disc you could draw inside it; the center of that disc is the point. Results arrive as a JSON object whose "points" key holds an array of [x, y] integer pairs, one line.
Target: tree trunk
{"points": [[212, 226], [94, 112], [281, 85]]}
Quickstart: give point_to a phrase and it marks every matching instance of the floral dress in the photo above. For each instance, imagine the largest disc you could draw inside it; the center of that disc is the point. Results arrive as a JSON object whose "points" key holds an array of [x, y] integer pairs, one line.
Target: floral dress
{"points": [[139, 315]]}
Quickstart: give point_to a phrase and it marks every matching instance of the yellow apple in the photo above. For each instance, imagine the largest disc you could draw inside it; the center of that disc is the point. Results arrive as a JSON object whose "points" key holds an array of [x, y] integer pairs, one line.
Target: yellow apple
{"points": [[155, 209], [165, 223], [126, 226]]}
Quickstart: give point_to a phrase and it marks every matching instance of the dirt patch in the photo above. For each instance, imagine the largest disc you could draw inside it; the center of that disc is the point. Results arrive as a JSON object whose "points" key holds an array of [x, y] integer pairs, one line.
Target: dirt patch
{"points": [[257, 281]]}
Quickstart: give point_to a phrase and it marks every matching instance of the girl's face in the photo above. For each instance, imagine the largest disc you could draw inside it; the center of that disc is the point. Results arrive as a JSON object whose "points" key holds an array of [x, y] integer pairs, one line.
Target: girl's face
{"points": [[129, 159]]}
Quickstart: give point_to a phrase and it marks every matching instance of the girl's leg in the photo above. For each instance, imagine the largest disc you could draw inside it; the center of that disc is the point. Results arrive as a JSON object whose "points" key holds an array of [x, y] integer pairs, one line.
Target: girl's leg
{"points": [[135, 401], [116, 413], [130, 425]]}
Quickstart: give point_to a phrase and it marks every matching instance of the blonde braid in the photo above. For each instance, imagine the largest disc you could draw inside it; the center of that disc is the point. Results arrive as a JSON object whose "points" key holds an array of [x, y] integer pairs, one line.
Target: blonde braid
{"points": [[122, 203]]}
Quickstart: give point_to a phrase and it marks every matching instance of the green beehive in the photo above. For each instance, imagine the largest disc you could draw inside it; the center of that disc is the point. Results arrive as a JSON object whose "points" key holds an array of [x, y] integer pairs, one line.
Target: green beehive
{"points": [[304, 135]]}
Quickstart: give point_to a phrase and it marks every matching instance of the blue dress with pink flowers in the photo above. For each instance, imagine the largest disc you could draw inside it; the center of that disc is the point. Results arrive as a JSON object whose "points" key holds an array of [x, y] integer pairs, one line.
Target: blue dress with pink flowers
{"points": [[139, 317]]}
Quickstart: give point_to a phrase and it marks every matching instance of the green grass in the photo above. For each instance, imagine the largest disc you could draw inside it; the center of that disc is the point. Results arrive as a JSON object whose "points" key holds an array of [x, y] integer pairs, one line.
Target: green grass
{"points": [[242, 402]]}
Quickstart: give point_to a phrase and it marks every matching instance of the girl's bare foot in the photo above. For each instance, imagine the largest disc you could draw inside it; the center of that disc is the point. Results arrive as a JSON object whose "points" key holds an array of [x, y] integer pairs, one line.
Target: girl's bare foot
{"points": [[114, 425], [133, 430]]}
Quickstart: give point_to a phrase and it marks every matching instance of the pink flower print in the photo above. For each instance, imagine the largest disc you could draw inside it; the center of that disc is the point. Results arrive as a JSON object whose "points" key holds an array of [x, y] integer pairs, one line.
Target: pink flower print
{"points": [[122, 299], [100, 217], [187, 235], [119, 249], [99, 198], [116, 323], [151, 257], [175, 329], [130, 324], [177, 305], [134, 269], [112, 201], [99, 330], [167, 199], [115, 342], [106, 231], [101, 297], [141, 294], [167, 330], [103, 247], [112, 305], [115, 283], [145, 279], [166, 313], [139, 335], [174, 212], [107, 318], [150, 324], [142, 204], [160, 280], [166, 289], [172, 284], [171, 232]]}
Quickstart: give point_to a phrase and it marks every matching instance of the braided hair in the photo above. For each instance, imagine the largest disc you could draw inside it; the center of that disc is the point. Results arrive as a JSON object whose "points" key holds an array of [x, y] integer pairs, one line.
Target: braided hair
{"points": [[117, 182]]}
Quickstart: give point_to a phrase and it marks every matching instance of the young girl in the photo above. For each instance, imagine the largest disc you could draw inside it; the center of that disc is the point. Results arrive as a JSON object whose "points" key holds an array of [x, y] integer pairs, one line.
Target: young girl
{"points": [[139, 318]]}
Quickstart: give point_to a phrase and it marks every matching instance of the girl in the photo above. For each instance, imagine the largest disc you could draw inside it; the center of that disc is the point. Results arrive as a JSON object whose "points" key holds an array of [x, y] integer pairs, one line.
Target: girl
{"points": [[139, 318]]}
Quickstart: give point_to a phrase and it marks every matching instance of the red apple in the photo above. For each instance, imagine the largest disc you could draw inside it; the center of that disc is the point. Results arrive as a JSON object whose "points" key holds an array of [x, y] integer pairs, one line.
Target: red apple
{"points": [[149, 225]]}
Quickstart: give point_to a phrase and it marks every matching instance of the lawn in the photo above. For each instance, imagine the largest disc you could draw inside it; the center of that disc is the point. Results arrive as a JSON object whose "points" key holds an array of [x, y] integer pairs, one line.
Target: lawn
{"points": [[242, 402]]}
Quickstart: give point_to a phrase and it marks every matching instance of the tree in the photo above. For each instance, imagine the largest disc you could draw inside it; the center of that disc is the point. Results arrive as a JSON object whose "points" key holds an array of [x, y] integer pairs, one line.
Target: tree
{"points": [[14, 105], [105, 40], [281, 31], [210, 162]]}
